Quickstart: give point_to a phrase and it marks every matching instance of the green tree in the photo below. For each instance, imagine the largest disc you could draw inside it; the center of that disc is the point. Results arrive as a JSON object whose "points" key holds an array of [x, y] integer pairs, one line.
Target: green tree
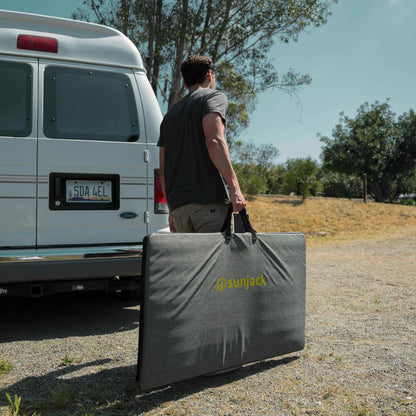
{"points": [[339, 185], [301, 177], [252, 166], [375, 143], [406, 143], [407, 183], [275, 179], [237, 35], [406, 154], [251, 181], [263, 155]]}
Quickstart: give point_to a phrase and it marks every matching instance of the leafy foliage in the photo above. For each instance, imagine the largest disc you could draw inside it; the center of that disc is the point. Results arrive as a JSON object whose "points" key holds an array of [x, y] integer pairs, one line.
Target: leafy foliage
{"points": [[339, 185], [301, 177], [14, 404], [275, 178], [375, 143], [258, 173], [263, 155], [408, 201], [252, 166], [66, 361]]}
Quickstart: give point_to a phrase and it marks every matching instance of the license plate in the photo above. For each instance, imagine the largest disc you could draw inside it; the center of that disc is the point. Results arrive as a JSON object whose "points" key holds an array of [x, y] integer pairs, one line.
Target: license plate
{"points": [[88, 191]]}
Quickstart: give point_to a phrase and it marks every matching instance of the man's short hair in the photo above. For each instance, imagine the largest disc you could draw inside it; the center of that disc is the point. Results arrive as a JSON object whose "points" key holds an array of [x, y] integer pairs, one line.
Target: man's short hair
{"points": [[195, 68]]}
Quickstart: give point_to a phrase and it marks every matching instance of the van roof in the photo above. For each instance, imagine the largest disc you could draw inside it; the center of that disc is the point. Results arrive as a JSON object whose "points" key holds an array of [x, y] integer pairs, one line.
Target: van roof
{"points": [[77, 41]]}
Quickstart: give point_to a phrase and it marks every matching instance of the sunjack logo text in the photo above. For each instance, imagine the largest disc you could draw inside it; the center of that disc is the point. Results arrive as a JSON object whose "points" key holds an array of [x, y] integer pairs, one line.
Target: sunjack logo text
{"points": [[241, 283]]}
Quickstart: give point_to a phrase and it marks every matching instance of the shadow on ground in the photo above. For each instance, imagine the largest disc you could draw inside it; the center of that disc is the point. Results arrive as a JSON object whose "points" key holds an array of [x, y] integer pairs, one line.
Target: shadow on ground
{"points": [[92, 387], [293, 203], [113, 391], [68, 315]]}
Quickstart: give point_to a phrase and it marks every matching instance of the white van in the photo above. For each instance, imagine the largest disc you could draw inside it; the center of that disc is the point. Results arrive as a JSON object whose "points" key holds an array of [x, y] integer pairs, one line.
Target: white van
{"points": [[79, 124]]}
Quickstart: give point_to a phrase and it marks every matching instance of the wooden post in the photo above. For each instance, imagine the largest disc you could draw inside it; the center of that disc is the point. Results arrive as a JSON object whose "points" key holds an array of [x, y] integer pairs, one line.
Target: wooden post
{"points": [[365, 188]]}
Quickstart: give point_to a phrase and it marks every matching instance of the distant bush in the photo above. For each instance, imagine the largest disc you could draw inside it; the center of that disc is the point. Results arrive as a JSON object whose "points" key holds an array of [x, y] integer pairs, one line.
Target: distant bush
{"points": [[258, 173], [338, 185], [301, 177], [409, 201], [251, 178]]}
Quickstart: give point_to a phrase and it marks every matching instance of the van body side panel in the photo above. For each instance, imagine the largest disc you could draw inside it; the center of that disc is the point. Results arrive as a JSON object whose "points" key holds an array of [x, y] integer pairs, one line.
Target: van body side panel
{"points": [[18, 160], [157, 222], [153, 118], [17, 192], [151, 110]]}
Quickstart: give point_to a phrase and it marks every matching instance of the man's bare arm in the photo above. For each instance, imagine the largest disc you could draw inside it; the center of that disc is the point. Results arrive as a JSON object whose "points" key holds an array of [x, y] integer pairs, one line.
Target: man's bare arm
{"points": [[214, 131]]}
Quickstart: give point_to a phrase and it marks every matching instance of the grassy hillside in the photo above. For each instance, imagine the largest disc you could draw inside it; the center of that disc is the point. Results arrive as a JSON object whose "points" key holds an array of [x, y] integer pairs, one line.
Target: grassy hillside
{"points": [[330, 219]]}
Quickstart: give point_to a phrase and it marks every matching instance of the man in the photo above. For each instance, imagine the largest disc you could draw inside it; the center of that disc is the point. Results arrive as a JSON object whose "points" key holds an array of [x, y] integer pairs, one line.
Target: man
{"points": [[194, 157]]}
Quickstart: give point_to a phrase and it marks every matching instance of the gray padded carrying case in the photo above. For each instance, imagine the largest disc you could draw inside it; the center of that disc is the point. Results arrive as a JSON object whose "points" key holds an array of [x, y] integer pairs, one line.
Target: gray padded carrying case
{"points": [[211, 303]]}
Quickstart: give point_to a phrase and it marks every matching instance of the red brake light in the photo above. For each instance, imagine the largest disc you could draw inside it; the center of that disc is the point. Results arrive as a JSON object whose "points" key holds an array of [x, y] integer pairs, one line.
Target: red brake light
{"points": [[37, 43], [161, 207], [159, 197]]}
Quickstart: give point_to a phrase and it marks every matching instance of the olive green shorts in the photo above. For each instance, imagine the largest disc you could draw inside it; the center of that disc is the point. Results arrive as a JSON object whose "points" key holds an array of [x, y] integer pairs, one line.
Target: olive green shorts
{"points": [[197, 218]]}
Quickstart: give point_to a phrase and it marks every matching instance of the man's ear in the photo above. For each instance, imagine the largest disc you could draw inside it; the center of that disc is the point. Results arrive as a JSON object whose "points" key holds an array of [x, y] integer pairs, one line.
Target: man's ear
{"points": [[210, 78]]}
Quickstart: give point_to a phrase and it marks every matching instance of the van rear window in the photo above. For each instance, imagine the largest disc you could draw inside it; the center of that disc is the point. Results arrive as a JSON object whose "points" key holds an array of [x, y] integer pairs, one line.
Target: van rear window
{"points": [[89, 105], [15, 99]]}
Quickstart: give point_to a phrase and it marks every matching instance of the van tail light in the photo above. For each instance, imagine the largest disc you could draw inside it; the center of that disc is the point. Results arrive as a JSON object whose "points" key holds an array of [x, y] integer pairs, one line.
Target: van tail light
{"points": [[161, 207], [37, 43]]}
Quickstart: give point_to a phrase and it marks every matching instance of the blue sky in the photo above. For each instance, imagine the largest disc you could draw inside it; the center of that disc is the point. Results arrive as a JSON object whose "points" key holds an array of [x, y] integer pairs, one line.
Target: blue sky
{"points": [[363, 54]]}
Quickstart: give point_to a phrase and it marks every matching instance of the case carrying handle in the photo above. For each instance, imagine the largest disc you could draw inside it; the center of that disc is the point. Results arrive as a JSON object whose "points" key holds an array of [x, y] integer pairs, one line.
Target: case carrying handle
{"points": [[246, 224]]}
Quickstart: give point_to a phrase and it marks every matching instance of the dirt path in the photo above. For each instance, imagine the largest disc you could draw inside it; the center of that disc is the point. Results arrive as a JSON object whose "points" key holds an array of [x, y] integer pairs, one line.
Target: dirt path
{"points": [[361, 327], [359, 358]]}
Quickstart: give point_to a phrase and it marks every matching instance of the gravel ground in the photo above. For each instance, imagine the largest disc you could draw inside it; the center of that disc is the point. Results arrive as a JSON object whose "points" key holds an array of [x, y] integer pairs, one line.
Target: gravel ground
{"points": [[76, 355]]}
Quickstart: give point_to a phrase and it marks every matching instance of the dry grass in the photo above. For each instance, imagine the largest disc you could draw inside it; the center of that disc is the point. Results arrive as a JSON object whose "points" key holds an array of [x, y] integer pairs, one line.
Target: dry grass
{"points": [[329, 219]]}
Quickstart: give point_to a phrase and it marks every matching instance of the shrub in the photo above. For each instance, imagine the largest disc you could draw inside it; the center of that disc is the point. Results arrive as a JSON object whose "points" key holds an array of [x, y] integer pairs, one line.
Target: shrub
{"points": [[408, 201], [5, 367], [338, 185]]}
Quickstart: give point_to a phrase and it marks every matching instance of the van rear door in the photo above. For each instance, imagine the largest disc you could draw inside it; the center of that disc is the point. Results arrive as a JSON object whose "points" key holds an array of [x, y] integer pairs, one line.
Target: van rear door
{"points": [[18, 131], [91, 156]]}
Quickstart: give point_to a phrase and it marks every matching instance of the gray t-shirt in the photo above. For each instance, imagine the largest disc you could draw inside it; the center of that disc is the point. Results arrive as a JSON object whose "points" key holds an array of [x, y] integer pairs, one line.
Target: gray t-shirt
{"points": [[190, 175]]}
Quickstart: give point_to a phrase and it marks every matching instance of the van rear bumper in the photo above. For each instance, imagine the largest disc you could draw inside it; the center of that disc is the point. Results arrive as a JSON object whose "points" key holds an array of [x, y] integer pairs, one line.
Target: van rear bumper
{"points": [[55, 264]]}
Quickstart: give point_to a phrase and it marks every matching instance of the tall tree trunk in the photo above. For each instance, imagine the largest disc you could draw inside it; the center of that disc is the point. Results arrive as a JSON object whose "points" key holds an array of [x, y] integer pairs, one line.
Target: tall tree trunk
{"points": [[150, 8], [205, 30], [377, 192], [222, 31], [176, 74], [125, 11], [158, 46]]}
